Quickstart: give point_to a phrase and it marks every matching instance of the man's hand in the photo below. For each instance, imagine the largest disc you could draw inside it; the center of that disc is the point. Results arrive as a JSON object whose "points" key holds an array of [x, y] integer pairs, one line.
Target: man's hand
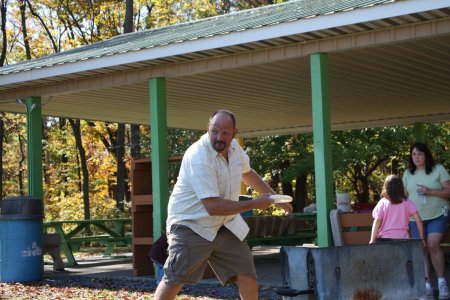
{"points": [[266, 201], [262, 202]]}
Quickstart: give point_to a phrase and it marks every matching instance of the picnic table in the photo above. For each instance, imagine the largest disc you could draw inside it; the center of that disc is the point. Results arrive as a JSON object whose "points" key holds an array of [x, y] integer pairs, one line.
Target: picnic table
{"points": [[110, 232], [294, 229]]}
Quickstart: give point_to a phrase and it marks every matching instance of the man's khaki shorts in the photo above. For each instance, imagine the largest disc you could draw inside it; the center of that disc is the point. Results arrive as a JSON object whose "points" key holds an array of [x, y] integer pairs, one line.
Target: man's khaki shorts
{"points": [[189, 254]]}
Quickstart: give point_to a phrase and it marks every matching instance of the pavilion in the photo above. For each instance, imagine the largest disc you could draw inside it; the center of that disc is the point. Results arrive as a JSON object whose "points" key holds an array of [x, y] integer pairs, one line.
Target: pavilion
{"points": [[296, 67]]}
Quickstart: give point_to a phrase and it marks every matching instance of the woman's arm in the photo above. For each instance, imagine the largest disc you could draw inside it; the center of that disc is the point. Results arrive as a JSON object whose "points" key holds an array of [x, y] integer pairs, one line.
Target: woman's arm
{"points": [[444, 192]]}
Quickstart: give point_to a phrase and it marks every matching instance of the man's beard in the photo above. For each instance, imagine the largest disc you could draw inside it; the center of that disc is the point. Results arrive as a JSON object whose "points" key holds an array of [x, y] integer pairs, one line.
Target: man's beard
{"points": [[219, 146]]}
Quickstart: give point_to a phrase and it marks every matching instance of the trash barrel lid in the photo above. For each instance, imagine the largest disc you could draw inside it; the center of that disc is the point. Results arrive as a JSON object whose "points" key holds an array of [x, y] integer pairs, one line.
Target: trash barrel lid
{"points": [[21, 207]]}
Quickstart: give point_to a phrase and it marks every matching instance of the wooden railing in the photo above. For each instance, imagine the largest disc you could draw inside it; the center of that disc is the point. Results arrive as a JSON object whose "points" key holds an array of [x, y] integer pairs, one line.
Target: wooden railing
{"points": [[109, 232]]}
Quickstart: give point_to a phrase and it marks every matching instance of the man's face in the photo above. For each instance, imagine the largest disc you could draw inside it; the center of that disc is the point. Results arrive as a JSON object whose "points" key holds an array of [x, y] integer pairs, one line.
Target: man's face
{"points": [[221, 131]]}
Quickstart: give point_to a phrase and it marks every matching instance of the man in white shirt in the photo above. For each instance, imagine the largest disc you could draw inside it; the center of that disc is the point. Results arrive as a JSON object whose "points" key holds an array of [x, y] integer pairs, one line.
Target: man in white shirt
{"points": [[204, 222]]}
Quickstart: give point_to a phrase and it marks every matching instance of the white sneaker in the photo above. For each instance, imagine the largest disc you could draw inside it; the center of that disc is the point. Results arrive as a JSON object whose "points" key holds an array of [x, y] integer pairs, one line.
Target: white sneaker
{"points": [[443, 291], [429, 294]]}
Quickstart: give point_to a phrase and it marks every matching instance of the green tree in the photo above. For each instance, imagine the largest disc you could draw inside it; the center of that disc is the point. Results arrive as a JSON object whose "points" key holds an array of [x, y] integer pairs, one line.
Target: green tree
{"points": [[13, 157], [287, 162], [437, 137], [358, 156]]}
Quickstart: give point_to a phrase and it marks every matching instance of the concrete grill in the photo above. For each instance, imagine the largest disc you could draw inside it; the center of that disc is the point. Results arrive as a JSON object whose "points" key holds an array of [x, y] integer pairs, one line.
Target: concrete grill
{"points": [[391, 270]]}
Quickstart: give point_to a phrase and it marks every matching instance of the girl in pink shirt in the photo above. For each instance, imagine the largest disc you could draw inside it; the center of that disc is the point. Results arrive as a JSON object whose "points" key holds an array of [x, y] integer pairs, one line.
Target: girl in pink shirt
{"points": [[393, 211]]}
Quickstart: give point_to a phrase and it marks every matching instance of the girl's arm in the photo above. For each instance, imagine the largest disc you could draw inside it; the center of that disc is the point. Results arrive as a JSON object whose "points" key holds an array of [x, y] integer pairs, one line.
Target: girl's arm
{"points": [[375, 227], [419, 227]]}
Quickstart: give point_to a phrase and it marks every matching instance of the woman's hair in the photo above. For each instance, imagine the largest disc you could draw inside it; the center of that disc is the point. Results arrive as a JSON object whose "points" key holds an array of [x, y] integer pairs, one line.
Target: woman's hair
{"points": [[393, 189], [429, 161]]}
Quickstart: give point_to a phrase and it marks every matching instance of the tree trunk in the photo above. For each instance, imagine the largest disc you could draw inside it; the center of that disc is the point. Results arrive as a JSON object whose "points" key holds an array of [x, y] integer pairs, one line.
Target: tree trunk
{"points": [[80, 187], [287, 188], [363, 194], [64, 158], [135, 141], [395, 166], [3, 10], [122, 186], [45, 165], [128, 23], [20, 166], [23, 18], [300, 193], [275, 181], [120, 153], [77, 133]]}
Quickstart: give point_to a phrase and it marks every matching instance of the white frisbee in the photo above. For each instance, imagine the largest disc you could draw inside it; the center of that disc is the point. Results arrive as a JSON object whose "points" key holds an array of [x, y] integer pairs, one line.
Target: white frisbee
{"points": [[281, 198]]}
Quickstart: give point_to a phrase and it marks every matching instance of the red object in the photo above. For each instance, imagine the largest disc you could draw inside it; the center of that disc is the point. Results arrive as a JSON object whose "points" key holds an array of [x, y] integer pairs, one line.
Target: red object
{"points": [[360, 208]]}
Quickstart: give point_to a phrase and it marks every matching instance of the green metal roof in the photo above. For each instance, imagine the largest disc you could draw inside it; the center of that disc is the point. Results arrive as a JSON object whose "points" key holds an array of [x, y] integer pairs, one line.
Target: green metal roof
{"points": [[382, 54], [204, 28]]}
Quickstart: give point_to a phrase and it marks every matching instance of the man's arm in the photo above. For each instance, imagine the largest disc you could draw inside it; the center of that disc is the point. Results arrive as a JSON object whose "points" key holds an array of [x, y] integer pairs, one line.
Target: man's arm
{"points": [[216, 206], [224, 207], [255, 181]]}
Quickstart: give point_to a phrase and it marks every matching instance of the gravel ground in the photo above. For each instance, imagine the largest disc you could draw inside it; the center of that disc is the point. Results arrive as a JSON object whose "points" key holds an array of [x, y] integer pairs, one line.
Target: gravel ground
{"points": [[77, 287], [57, 285]]}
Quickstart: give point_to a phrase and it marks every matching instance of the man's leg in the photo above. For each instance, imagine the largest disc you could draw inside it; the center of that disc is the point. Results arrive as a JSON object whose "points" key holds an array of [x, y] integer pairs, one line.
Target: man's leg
{"points": [[236, 265], [248, 287], [166, 291], [188, 256]]}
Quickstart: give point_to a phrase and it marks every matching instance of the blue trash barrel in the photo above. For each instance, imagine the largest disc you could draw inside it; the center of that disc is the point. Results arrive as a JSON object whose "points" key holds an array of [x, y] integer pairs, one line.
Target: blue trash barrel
{"points": [[21, 239], [247, 213]]}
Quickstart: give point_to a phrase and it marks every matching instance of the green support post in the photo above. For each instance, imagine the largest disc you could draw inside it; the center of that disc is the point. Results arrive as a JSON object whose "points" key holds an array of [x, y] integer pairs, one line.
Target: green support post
{"points": [[160, 174], [322, 145], [34, 146]]}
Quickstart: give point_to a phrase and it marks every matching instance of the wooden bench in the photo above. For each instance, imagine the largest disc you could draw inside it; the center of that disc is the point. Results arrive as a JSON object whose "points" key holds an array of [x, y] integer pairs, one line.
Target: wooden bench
{"points": [[295, 229], [73, 233], [355, 229], [350, 228]]}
